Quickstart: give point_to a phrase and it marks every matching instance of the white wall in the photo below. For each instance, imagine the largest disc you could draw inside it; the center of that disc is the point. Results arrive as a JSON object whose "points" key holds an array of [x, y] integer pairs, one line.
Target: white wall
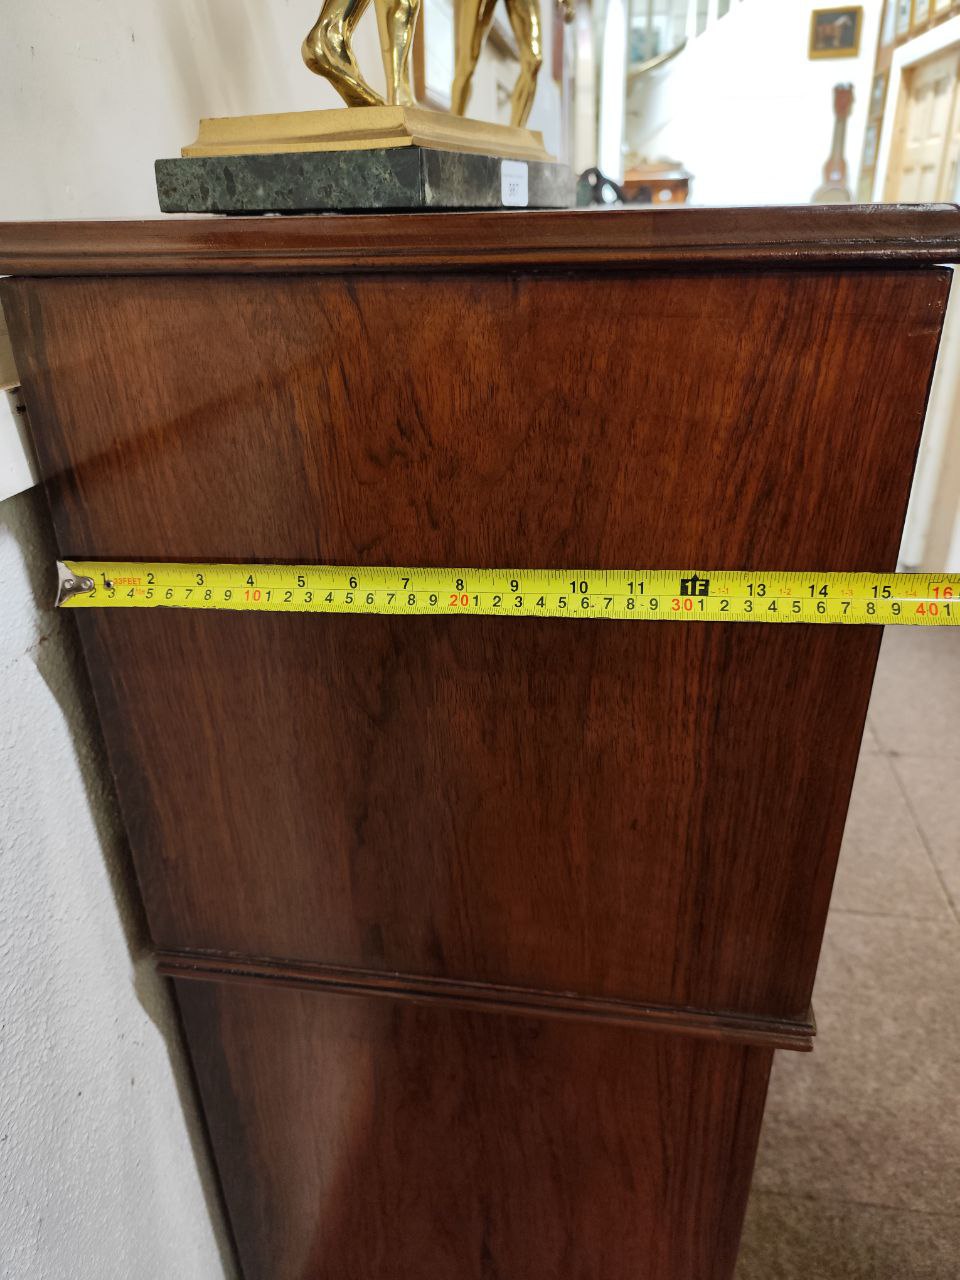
{"points": [[746, 110], [93, 91]]}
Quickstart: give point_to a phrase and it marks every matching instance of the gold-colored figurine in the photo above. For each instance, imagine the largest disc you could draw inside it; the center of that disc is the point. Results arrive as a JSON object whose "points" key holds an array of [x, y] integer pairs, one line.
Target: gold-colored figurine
{"points": [[328, 50], [473, 19], [371, 122]]}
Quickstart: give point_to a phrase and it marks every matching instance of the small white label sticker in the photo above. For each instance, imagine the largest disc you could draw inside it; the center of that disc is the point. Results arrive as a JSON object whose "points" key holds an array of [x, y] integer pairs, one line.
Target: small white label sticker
{"points": [[514, 188]]}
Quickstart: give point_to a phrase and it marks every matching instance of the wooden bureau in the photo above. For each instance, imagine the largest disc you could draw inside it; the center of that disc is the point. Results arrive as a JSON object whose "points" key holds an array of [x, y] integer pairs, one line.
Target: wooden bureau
{"points": [[483, 932]]}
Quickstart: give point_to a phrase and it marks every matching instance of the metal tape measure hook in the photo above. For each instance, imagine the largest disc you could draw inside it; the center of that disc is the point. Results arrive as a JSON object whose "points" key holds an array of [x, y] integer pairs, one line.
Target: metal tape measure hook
{"points": [[69, 584]]}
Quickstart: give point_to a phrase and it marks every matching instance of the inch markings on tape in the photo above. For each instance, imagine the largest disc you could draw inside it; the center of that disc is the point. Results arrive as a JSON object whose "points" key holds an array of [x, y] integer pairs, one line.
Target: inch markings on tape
{"points": [[624, 595]]}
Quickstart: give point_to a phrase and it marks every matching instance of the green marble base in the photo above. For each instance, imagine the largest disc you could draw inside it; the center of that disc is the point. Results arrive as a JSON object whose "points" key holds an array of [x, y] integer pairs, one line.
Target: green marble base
{"points": [[348, 181]]}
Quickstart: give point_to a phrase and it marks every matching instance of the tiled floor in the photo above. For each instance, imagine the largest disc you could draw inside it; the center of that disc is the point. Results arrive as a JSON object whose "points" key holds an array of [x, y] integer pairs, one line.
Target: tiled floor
{"points": [[858, 1176]]}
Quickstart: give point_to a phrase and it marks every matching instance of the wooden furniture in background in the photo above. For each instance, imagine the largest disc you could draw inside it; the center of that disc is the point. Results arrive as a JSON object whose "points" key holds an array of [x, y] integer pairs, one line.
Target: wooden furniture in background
{"points": [[667, 182], [484, 932]]}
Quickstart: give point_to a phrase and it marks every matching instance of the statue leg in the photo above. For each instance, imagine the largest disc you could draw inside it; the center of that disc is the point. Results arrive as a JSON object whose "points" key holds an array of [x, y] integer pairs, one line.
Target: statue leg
{"points": [[397, 22], [524, 18], [327, 52], [473, 18]]}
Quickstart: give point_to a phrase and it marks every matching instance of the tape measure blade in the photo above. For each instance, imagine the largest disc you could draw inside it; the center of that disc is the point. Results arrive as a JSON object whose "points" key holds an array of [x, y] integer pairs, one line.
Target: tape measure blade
{"points": [[688, 595]]}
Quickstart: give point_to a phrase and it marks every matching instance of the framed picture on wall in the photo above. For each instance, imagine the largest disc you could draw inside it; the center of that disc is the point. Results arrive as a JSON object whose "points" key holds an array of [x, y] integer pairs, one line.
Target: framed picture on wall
{"points": [[835, 33], [888, 23], [943, 6], [921, 14], [877, 95], [904, 13], [870, 138]]}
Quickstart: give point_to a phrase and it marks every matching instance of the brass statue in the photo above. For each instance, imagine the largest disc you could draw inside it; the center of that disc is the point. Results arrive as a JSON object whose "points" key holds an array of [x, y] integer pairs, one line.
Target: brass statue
{"points": [[473, 18], [393, 119], [328, 50]]}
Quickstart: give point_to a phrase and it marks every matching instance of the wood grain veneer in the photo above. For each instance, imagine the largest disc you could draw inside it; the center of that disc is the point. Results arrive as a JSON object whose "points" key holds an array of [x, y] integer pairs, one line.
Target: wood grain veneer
{"points": [[782, 237], [483, 931], [485, 801], [360, 1139]]}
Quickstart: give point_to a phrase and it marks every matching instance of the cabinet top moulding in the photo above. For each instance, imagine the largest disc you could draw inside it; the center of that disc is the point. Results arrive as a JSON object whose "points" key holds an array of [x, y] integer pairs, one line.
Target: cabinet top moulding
{"points": [[591, 238]]}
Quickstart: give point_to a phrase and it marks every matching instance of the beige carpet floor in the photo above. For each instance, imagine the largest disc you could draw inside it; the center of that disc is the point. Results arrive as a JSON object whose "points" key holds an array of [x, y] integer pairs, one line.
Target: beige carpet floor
{"points": [[858, 1176]]}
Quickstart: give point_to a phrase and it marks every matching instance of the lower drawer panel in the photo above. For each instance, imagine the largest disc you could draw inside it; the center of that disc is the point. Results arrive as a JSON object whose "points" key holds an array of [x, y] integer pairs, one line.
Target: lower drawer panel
{"points": [[359, 1137]]}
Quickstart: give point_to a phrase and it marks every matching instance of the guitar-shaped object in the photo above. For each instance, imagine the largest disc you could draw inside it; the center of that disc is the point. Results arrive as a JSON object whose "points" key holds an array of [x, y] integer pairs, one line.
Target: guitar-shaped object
{"points": [[834, 188]]}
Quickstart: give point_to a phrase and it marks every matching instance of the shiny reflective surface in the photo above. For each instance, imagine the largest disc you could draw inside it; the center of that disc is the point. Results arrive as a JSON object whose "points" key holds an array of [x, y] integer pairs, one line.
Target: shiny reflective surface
{"points": [[361, 1138], [473, 19], [328, 50]]}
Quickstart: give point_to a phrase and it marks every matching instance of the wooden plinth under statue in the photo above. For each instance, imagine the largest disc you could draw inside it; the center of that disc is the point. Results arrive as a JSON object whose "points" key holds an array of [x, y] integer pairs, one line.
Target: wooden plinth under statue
{"points": [[376, 153]]}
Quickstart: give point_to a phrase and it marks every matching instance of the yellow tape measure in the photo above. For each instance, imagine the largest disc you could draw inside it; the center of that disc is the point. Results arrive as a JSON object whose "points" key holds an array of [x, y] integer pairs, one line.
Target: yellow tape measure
{"points": [[627, 595]]}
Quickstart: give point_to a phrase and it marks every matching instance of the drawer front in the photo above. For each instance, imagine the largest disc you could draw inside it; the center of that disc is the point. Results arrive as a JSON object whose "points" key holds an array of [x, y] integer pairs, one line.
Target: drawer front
{"points": [[359, 1137], [641, 812]]}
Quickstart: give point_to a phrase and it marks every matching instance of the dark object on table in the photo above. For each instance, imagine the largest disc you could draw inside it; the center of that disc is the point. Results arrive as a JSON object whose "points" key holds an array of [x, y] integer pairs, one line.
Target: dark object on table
{"points": [[594, 187]]}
